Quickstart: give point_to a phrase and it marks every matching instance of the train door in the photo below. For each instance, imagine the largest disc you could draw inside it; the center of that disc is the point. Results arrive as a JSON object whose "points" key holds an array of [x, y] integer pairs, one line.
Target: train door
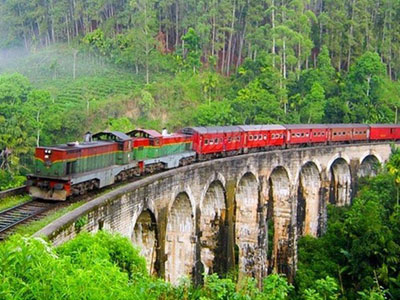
{"points": [[70, 168]]}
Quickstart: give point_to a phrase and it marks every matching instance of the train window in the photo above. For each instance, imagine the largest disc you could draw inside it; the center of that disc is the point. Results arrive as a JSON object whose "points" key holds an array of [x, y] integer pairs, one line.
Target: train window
{"points": [[293, 134], [302, 134], [205, 142], [229, 139], [211, 142], [216, 141], [256, 137], [307, 134], [334, 133], [265, 137], [323, 133], [238, 138], [250, 137]]}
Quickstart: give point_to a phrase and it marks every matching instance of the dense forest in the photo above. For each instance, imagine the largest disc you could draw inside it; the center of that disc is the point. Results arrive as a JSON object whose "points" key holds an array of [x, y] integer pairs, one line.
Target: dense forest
{"points": [[76, 65]]}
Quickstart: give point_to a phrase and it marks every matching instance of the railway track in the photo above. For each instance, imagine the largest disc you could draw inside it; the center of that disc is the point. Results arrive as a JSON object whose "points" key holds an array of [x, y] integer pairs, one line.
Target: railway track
{"points": [[33, 210], [11, 217], [13, 192]]}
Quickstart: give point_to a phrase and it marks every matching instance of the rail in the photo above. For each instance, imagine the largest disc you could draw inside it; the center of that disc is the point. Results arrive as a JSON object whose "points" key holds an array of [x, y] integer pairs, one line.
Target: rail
{"points": [[13, 192], [11, 217]]}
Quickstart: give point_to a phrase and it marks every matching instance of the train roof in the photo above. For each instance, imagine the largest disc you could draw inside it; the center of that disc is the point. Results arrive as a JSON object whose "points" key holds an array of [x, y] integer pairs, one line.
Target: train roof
{"points": [[384, 125], [347, 125], [212, 129], [261, 127], [102, 138], [78, 146], [148, 133], [305, 126], [111, 136]]}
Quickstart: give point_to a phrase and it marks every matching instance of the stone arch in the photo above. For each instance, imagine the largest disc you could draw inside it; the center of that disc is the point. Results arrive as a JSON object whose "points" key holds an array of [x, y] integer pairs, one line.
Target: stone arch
{"points": [[308, 199], [179, 244], [340, 186], [145, 236], [368, 166], [213, 239], [246, 224], [279, 217]]}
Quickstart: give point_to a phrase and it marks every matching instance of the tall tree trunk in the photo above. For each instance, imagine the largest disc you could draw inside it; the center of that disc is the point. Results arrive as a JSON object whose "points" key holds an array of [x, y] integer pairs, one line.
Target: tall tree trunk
{"points": [[350, 36], [74, 65], [229, 57], [223, 55], [299, 61], [38, 130], [67, 27], [176, 24], [214, 33], [284, 57], [273, 33], [239, 59]]}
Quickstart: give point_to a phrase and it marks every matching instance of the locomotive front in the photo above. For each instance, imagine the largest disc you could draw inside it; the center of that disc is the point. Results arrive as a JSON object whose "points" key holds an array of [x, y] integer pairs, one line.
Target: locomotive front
{"points": [[51, 179]]}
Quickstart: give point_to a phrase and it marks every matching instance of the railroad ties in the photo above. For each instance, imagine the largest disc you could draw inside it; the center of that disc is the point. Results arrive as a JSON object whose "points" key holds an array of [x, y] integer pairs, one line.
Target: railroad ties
{"points": [[18, 214]]}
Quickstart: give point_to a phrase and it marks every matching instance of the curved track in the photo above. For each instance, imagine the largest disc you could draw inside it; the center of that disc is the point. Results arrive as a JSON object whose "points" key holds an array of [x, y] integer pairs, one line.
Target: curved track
{"points": [[11, 217]]}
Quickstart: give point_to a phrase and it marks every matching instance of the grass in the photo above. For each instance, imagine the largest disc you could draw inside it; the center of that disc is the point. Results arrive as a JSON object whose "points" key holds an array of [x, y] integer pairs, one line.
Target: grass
{"points": [[35, 226], [13, 200]]}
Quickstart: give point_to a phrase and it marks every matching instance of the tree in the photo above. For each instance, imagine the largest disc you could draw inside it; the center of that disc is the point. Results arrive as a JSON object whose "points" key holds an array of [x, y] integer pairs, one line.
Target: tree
{"points": [[364, 87], [214, 113], [256, 105], [144, 20], [38, 104], [313, 107], [192, 42]]}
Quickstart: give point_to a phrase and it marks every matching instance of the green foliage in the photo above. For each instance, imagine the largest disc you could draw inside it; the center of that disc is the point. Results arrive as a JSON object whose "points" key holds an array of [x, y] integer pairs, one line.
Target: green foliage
{"points": [[364, 85], [323, 289], [122, 124], [214, 113], [276, 287], [9, 180], [87, 248], [103, 266], [97, 266], [256, 105], [360, 248]]}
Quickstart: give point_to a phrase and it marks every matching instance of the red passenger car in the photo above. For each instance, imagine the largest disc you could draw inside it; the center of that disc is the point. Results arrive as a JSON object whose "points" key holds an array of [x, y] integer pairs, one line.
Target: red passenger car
{"points": [[215, 140], [263, 136], [384, 132], [306, 134], [348, 132]]}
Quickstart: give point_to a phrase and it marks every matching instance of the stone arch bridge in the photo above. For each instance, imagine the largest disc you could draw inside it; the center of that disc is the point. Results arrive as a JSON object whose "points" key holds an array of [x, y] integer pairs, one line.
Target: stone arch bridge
{"points": [[245, 211]]}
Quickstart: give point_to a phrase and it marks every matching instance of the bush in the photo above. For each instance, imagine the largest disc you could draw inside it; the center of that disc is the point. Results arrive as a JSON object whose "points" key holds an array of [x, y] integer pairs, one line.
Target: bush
{"points": [[99, 266]]}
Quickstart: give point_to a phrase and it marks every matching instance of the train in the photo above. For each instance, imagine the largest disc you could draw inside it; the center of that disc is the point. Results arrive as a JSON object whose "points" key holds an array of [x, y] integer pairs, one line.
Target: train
{"points": [[107, 157]]}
